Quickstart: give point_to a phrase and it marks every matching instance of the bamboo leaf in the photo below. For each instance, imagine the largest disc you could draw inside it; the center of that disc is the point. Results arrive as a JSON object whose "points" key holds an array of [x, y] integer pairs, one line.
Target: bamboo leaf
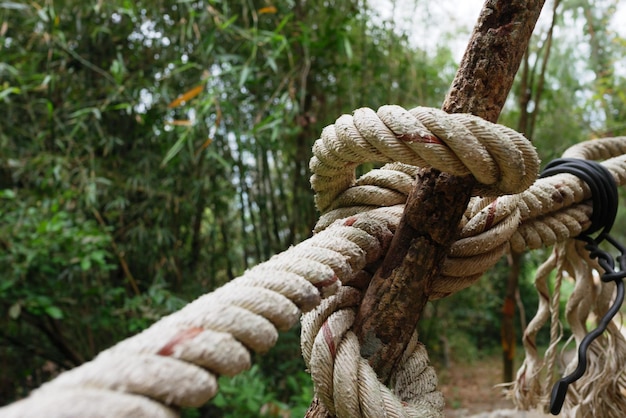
{"points": [[185, 97], [282, 23], [267, 10], [54, 312], [179, 122], [6, 92], [13, 5], [245, 72], [228, 22], [347, 47], [172, 152]]}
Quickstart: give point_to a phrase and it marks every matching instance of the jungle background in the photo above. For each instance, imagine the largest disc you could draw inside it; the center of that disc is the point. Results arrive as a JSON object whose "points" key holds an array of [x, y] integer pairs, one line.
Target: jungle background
{"points": [[151, 151]]}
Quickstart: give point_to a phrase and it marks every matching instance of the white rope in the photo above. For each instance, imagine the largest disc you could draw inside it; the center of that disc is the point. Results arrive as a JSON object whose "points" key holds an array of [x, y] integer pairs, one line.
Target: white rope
{"points": [[175, 362], [332, 352]]}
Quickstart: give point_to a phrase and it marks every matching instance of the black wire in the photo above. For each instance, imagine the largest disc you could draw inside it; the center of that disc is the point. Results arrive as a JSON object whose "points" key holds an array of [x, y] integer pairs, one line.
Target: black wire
{"points": [[605, 202], [559, 390], [602, 185]]}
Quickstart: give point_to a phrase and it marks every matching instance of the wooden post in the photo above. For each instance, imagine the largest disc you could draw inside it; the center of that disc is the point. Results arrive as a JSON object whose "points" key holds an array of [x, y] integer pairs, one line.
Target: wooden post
{"points": [[399, 290]]}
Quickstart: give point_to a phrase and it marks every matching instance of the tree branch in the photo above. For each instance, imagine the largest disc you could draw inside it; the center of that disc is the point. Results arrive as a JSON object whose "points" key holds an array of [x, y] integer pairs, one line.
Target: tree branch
{"points": [[400, 288], [492, 58]]}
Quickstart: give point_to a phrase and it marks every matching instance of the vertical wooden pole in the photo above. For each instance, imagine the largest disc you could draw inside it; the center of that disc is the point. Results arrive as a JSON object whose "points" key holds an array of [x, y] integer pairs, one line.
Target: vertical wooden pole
{"points": [[399, 290]]}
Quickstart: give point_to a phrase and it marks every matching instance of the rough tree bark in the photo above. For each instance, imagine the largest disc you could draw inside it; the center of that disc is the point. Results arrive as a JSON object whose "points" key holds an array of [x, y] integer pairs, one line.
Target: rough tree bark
{"points": [[400, 288]]}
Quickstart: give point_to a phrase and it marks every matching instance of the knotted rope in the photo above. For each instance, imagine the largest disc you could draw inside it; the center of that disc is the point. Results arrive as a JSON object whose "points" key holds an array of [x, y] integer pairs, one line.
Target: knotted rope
{"points": [[174, 363]]}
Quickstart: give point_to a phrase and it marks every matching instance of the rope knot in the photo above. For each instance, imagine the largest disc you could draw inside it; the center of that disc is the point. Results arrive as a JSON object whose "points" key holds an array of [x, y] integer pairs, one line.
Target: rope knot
{"points": [[501, 160]]}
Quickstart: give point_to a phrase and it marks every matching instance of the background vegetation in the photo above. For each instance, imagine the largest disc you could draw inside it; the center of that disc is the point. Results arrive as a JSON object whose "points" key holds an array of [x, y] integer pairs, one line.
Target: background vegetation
{"points": [[152, 150]]}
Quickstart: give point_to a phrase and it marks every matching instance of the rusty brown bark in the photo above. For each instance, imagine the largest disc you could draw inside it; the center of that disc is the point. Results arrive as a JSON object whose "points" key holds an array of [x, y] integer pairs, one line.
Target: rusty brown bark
{"points": [[386, 321], [492, 57], [400, 288]]}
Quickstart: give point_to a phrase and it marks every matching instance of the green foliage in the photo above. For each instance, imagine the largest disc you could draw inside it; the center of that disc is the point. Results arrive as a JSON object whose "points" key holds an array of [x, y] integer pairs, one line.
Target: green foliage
{"points": [[276, 385], [249, 395]]}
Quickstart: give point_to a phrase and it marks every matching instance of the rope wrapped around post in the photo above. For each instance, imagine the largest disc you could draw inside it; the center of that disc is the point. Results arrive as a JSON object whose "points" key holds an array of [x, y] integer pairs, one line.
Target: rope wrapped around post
{"points": [[174, 363]]}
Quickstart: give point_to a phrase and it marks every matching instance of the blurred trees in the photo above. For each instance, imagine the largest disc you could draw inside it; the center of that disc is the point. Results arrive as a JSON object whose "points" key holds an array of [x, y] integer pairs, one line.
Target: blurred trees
{"points": [[152, 150]]}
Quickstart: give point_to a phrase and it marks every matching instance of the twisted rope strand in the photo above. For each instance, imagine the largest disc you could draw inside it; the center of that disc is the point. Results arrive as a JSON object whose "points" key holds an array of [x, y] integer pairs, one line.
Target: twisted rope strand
{"points": [[174, 362], [502, 160], [550, 211], [346, 383]]}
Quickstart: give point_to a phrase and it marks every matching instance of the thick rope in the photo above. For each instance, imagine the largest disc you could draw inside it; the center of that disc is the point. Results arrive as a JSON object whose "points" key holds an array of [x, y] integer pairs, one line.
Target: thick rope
{"points": [[332, 352], [175, 362]]}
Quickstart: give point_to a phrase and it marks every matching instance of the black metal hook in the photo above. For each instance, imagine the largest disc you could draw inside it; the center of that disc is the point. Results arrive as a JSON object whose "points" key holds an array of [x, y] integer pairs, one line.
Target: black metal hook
{"points": [[559, 390], [605, 201]]}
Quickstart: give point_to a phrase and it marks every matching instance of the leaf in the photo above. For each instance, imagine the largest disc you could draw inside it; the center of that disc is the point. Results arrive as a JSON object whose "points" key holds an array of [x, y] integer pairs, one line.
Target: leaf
{"points": [[99, 257], [347, 47], [267, 123], [4, 67], [54, 312], [224, 163], [44, 84], [179, 122], [11, 90], [228, 22], [272, 64], [185, 97], [174, 150], [85, 264], [267, 10], [282, 23], [80, 112], [219, 400], [245, 72], [15, 310], [7, 194], [13, 5]]}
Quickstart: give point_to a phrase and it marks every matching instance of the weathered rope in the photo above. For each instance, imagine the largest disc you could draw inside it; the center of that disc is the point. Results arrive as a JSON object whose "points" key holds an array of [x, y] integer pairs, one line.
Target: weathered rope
{"points": [[175, 362], [332, 352], [596, 376], [550, 211], [600, 392], [500, 159]]}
